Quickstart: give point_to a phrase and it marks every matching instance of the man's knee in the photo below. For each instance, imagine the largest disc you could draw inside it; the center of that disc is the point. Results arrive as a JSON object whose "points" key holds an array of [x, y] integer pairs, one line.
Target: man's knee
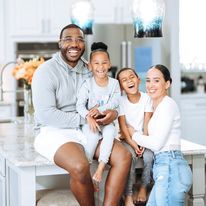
{"points": [[80, 171], [120, 155]]}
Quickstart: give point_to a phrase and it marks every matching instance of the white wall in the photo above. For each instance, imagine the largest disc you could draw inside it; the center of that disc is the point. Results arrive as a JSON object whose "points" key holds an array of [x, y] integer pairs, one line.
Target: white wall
{"points": [[172, 45]]}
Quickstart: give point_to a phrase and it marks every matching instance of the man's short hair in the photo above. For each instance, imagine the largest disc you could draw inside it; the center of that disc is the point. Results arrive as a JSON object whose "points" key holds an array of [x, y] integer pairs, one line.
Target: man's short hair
{"points": [[70, 26]]}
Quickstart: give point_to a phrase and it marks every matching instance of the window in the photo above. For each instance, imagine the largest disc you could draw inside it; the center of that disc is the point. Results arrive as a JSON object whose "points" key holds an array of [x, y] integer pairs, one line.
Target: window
{"points": [[192, 34]]}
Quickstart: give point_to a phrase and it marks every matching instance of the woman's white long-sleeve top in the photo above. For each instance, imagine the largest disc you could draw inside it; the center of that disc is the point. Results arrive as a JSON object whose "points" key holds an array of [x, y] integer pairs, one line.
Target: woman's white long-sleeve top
{"points": [[163, 128]]}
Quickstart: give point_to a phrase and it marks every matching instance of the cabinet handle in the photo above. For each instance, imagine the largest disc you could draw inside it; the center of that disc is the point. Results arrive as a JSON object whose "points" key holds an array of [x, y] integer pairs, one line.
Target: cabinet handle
{"points": [[129, 54], [43, 25], [123, 53], [48, 25]]}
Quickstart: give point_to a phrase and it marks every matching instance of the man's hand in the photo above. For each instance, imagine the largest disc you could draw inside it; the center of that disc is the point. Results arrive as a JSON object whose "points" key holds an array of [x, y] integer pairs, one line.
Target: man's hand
{"points": [[94, 112], [110, 116], [93, 125]]}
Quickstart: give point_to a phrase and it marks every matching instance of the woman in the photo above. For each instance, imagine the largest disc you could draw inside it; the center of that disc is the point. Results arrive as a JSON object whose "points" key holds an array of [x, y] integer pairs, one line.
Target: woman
{"points": [[171, 172]]}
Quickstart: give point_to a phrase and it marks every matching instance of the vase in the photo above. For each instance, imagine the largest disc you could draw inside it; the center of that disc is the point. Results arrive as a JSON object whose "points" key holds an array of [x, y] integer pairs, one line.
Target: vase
{"points": [[28, 105]]}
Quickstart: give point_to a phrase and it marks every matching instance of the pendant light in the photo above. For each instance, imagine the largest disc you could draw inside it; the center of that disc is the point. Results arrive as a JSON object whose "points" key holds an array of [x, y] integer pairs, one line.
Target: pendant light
{"points": [[148, 17], [82, 14]]}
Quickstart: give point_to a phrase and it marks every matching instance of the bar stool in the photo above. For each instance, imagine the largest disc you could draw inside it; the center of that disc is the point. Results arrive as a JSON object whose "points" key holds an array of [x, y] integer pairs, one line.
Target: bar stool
{"points": [[60, 197]]}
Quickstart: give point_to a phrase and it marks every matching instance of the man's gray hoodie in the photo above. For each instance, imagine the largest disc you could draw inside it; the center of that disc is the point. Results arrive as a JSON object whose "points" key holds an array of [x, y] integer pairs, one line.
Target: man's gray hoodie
{"points": [[54, 92]]}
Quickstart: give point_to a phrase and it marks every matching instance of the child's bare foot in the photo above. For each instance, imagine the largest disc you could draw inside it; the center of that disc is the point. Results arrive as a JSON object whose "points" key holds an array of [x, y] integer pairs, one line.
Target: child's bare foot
{"points": [[98, 174], [96, 186], [142, 194], [128, 201]]}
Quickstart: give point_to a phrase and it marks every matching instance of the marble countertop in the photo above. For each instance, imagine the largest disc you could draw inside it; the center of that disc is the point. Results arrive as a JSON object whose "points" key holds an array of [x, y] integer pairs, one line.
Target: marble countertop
{"points": [[16, 145]]}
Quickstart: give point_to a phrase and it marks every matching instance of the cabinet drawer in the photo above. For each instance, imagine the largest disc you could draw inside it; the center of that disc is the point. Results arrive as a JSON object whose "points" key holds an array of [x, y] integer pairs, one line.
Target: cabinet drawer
{"points": [[2, 166], [5, 111], [193, 104]]}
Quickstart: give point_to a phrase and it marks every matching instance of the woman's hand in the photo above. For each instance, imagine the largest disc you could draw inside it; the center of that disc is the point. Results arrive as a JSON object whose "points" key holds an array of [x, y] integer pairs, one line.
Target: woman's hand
{"points": [[138, 149], [110, 116]]}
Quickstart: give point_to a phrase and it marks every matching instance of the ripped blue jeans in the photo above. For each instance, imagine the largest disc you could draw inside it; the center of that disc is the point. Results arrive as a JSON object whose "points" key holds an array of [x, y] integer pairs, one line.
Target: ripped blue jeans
{"points": [[173, 179]]}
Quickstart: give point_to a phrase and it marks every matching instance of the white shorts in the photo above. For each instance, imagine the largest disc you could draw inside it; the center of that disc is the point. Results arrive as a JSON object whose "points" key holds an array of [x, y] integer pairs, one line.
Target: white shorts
{"points": [[50, 139]]}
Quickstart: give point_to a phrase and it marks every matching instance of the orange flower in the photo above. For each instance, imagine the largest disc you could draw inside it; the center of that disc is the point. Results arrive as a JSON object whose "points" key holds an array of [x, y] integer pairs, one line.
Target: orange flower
{"points": [[25, 70]]}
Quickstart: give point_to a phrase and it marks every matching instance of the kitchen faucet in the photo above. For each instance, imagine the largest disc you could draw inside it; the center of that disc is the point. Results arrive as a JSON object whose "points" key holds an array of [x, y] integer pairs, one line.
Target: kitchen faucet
{"points": [[1, 78]]}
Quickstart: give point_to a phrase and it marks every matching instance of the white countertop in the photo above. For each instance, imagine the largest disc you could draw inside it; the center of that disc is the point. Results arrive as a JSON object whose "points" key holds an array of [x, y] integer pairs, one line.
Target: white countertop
{"points": [[3, 103], [16, 145], [189, 148]]}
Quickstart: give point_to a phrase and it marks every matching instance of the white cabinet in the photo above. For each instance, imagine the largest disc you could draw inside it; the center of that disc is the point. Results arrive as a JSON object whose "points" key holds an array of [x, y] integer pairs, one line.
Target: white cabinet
{"points": [[2, 182], [193, 115], [112, 11], [59, 15], [48, 17], [5, 111], [37, 17], [126, 12], [2, 191], [2, 32]]}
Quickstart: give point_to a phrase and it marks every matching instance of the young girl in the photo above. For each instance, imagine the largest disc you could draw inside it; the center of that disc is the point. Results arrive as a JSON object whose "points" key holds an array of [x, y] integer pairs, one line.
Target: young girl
{"points": [[171, 172], [97, 95], [135, 111]]}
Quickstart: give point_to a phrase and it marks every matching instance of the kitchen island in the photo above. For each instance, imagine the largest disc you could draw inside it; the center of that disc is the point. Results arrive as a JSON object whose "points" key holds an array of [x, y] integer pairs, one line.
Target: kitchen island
{"points": [[20, 166]]}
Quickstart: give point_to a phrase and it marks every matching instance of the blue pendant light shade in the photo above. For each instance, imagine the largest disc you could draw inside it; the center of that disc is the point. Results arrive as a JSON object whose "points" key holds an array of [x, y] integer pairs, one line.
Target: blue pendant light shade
{"points": [[148, 17], [82, 14]]}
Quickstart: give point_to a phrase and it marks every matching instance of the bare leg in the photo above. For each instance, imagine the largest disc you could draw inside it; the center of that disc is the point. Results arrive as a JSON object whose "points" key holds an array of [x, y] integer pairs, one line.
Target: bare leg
{"points": [[120, 161], [71, 157], [142, 194], [98, 174]]}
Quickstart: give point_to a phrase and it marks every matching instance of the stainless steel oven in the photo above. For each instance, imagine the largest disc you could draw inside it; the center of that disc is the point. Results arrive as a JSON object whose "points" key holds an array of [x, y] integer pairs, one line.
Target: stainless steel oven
{"points": [[28, 51]]}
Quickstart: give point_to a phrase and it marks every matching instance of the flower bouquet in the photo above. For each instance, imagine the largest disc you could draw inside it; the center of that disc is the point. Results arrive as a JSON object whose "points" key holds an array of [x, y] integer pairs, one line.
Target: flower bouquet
{"points": [[24, 71]]}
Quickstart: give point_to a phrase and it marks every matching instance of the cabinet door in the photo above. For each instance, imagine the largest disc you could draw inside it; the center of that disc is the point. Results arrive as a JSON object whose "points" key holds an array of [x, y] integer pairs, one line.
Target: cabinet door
{"points": [[2, 191], [2, 182], [2, 32], [26, 17], [193, 127], [59, 15], [37, 17], [105, 11], [5, 111], [112, 11], [127, 12], [193, 118]]}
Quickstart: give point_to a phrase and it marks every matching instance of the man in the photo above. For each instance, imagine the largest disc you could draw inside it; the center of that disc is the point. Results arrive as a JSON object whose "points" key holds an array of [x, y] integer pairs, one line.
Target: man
{"points": [[54, 86]]}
